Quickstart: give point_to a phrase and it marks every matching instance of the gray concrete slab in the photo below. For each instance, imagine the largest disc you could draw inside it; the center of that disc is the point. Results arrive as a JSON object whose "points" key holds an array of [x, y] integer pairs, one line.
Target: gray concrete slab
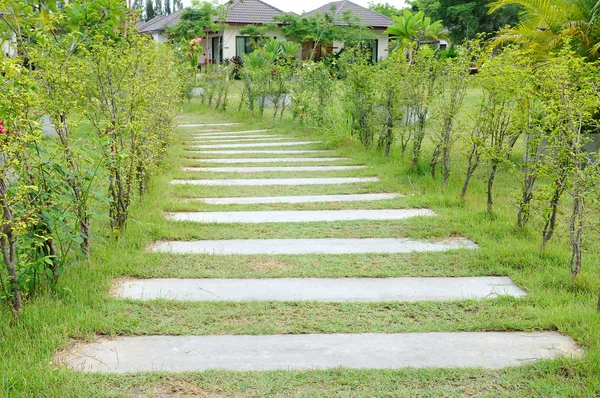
{"points": [[269, 169], [260, 145], [270, 152], [224, 134], [296, 199], [208, 124], [326, 351], [270, 160], [48, 129], [259, 217], [325, 290], [237, 138], [277, 181], [310, 246]]}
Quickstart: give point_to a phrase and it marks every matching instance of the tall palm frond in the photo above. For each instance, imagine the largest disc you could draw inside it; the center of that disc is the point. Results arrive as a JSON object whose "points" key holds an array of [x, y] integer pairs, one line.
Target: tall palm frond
{"points": [[546, 24]]}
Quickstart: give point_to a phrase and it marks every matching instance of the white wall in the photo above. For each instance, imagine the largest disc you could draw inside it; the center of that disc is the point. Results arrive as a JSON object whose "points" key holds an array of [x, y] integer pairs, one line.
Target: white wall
{"points": [[159, 37], [383, 42], [229, 37], [6, 48], [232, 32]]}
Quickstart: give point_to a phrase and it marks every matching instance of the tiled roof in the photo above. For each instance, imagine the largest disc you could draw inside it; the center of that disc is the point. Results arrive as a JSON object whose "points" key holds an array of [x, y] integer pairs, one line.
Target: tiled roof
{"points": [[238, 11], [161, 22], [366, 16], [251, 12]]}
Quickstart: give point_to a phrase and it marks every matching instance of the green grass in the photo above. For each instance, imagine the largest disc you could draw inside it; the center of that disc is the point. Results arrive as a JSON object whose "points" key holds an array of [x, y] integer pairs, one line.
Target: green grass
{"points": [[81, 308]]}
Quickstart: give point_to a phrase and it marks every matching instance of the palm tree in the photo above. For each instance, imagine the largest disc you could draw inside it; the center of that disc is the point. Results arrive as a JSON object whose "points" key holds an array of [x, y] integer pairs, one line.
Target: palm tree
{"points": [[548, 24], [412, 30]]}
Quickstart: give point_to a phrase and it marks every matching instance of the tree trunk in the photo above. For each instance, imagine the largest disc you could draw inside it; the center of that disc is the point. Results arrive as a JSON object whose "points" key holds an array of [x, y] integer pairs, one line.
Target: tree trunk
{"points": [[575, 234], [490, 187], [434, 161], [473, 163], [8, 245], [550, 225], [419, 134], [524, 208], [84, 230], [446, 157]]}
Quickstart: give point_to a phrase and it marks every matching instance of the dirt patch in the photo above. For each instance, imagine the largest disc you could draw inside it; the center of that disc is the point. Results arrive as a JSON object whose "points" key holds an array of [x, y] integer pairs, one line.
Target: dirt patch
{"points": [[266, 264], [72, 350], [116, 290], [174, 389]]}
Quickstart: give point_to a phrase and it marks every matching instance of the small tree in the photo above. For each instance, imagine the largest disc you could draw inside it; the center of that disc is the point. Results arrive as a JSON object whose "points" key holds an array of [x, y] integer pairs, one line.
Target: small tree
{"points": [[570, 100], [390, 99], [132, 87], [359, 93], [454, 81], [411, 30], [500, 120], [312, 92], [421, 87]]}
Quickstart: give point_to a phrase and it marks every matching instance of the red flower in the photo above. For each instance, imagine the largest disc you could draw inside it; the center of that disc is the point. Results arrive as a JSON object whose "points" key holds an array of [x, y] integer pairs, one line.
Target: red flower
{"points": [[3, 130]]}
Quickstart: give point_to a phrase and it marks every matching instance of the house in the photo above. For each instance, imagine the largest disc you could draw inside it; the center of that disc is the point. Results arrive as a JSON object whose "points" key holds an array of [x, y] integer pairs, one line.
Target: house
{"points": [[224, 45], [364, 16], [229, 43], [7, 45]]}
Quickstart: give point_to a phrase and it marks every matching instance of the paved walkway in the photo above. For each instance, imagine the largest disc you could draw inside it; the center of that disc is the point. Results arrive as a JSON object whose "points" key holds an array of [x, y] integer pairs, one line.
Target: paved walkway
{"points": [[313, 351], [303, 352]]}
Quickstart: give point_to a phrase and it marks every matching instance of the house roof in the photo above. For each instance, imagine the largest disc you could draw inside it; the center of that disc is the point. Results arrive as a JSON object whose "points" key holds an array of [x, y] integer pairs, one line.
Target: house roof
{"points": [[366, 16], [251, 12], [161, 22], [238, 11]]}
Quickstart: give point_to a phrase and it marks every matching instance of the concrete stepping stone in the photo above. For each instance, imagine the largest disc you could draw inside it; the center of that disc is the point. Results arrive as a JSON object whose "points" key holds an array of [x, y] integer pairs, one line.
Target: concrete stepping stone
{"points": [[208, 124], [270, 152], [324, 290], [266, 145], [268, 169], [310, 246], [233, 138], [227, 133], [296, 199], [319, 351], [259, 217], [269, 160], [277, 181]]}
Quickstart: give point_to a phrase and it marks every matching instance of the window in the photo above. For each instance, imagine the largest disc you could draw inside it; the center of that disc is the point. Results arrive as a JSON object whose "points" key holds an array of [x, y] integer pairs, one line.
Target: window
{"points": [[373, 46], [217, 50], [243, 46], [369, 46]]}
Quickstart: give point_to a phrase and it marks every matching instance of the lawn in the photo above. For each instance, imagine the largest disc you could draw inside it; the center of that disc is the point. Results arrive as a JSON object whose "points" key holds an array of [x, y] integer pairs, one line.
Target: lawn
{"points": [[81, 308]]}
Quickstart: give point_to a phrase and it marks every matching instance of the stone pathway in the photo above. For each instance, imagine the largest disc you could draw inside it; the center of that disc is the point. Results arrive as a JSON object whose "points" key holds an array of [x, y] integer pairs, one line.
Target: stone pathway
{"points": [[260, 145], [226, 133], [271, 169], [277, 181], [239, 138], [329, 290], [270, 160], [367, 197], [310, 246], [258, 217], [209, 125], [321, 351], [267, 151], [309, 351]]}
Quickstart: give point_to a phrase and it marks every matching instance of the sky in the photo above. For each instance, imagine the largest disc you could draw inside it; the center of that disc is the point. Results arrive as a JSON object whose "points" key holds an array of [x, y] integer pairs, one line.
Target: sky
{"points": [[298, 6]]}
